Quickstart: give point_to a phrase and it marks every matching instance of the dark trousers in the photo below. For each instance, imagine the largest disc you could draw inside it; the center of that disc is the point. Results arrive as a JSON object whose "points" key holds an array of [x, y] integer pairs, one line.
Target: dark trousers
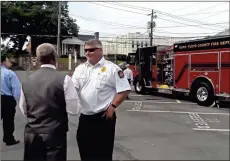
{"points": [[8, 104], [45, 147], [95, 137], [129, 80]]}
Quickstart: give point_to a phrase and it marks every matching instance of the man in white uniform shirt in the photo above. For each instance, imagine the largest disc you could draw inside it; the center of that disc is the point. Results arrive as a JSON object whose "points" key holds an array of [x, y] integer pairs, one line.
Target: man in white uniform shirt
{"points": [[102, 87], [46, 98], [128, 75]]}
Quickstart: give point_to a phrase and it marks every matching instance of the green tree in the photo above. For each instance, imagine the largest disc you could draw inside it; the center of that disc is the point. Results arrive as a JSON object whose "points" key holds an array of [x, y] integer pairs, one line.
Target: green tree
{"points": [[19, 19]]}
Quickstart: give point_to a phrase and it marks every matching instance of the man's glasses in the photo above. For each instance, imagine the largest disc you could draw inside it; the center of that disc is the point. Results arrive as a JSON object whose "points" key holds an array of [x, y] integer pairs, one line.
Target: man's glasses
{"points": [[91, 50]]}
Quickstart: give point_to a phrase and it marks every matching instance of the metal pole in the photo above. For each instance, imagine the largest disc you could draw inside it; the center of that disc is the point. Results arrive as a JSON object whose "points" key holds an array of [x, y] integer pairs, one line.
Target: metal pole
{"points": [[151, 34], [59, 31]]}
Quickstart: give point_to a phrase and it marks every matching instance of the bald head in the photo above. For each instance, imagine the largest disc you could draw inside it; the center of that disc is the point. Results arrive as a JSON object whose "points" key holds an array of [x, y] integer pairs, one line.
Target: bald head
{"points": [[46, 54]]}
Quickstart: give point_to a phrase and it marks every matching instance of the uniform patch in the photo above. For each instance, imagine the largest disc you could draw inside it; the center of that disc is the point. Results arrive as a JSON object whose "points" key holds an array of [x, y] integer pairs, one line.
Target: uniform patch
{"points": [[120, 74], [103, 69]]}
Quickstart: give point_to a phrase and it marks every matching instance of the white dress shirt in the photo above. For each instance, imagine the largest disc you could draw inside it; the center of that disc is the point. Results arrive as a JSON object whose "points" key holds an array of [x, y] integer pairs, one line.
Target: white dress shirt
{"points": [[128, 74], [71, 96], [98, 85]]}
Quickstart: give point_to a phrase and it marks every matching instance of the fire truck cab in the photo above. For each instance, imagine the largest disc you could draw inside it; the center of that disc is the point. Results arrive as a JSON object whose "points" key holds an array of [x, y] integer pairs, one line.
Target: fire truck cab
{"points": [[199, 68]]}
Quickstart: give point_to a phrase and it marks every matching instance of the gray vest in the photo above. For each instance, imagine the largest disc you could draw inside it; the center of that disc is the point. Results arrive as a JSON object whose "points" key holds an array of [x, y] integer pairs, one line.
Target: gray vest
{"points": [[45, 99]]}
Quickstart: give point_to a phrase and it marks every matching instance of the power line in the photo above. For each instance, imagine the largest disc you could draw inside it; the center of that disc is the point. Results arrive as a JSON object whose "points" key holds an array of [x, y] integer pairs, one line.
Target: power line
{"points": [[164, 13], [67, 36], [204, 13], [175, 26], [163, 37], [211, 15], [207, 8], [104, 22], [135, 27], [190, 5], [161, 31], [100, 32], [119, 9], [35, 35], [187, 24]]}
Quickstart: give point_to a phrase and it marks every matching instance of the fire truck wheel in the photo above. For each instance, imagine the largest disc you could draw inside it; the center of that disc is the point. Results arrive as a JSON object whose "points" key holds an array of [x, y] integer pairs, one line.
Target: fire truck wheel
{"points": [[204, 94], [139, 87]]}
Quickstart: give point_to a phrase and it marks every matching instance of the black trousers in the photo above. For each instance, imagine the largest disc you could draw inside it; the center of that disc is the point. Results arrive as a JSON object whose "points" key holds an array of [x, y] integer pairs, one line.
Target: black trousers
{"points": [[45, 147], [8, 104], [95, 137], [129, 80]]}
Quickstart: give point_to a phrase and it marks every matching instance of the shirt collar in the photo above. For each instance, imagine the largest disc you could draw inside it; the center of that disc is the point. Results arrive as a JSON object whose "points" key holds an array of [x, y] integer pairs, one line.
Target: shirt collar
{"points": [[3, 66], [101, 62], [48, 66]]}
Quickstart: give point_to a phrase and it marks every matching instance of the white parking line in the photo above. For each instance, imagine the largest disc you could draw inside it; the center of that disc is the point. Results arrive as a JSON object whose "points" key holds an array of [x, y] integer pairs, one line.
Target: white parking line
{"points": [[179, 112], [178, 101], [161, 102], [137, 95], [204, 129]]}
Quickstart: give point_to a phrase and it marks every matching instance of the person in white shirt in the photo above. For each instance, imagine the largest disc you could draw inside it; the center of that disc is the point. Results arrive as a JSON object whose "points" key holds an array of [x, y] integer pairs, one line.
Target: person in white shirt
{"points": [[129, 76], [102, 87], [46, 98]]}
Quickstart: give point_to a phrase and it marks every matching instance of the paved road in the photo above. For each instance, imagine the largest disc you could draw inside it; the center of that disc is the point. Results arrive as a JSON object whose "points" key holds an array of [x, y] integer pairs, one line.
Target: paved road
{"points": [[152, 127]]}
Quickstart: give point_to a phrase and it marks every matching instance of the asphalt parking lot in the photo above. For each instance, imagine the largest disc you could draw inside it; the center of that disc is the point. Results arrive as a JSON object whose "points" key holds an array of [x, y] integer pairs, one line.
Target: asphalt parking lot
{"points": [[151, 127]]}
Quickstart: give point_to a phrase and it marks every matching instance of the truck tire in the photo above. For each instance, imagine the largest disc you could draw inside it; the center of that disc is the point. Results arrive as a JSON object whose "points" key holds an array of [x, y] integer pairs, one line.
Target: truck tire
{"points": [[139, 87], [204, 94]]}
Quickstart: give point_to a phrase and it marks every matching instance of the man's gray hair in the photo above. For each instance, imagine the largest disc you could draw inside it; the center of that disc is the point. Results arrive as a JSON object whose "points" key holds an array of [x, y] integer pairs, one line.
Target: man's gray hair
{"points": [[45, 53], [94, 42]]}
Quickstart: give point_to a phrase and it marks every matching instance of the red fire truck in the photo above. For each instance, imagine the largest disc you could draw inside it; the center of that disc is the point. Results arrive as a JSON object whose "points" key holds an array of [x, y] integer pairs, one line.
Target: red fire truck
{"points": [[198, 68]]}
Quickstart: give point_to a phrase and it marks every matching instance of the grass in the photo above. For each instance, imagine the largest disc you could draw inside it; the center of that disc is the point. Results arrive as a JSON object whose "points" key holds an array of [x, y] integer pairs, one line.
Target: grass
{"points": [[63, 60], [120, 61]]}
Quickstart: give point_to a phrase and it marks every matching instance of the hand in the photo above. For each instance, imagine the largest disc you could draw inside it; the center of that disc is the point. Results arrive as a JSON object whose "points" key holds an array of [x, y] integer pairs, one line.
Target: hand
{"points": [[109, 112]]}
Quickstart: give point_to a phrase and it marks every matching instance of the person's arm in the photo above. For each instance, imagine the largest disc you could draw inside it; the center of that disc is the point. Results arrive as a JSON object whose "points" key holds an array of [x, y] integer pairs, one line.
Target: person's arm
{"points": [[71, 96], [16, 86], [75, 79], [131, 77], [22, 103], [123, 89]]}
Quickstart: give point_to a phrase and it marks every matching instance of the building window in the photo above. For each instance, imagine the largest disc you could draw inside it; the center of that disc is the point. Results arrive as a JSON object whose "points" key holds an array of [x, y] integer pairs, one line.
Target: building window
{"points": [[146, 44], [132, 44], [138, 44], [141, 43]]}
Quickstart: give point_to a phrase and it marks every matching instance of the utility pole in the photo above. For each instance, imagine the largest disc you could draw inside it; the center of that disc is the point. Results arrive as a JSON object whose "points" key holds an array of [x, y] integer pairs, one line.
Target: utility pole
{"points": [[59, 31], [151, 30], [152, 25]]}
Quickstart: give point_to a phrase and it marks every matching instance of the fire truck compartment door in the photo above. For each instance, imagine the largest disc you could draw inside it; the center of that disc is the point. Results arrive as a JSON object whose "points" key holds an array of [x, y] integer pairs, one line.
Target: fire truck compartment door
{"points": [[147, 59], [204, 61]]}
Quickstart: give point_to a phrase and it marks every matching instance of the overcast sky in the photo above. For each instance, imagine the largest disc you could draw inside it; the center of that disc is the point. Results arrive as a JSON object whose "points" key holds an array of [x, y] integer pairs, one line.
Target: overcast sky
{"points": [[99, 16]]}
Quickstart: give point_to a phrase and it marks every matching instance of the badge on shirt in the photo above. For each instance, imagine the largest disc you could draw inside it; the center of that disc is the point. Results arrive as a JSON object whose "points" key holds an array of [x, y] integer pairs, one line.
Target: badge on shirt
{"points": [[120, 74], [103, 69]]}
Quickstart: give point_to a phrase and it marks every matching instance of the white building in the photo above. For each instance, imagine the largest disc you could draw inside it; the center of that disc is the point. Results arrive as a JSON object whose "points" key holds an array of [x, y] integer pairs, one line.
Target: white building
{"points": [[126, 43]]}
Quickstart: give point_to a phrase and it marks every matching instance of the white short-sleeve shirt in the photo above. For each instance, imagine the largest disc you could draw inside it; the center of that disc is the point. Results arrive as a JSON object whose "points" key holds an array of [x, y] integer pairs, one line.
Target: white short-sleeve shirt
{"points": [[98, 85], [128, 74]]}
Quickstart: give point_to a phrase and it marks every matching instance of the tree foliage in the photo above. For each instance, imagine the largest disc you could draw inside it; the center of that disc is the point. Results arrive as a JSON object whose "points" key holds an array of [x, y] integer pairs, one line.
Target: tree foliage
{"points": [[22, 18]]}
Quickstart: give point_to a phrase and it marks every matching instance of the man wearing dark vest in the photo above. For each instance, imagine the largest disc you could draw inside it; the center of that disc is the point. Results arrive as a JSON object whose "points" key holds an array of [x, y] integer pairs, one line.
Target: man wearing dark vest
{"points": [[46, 98]]}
